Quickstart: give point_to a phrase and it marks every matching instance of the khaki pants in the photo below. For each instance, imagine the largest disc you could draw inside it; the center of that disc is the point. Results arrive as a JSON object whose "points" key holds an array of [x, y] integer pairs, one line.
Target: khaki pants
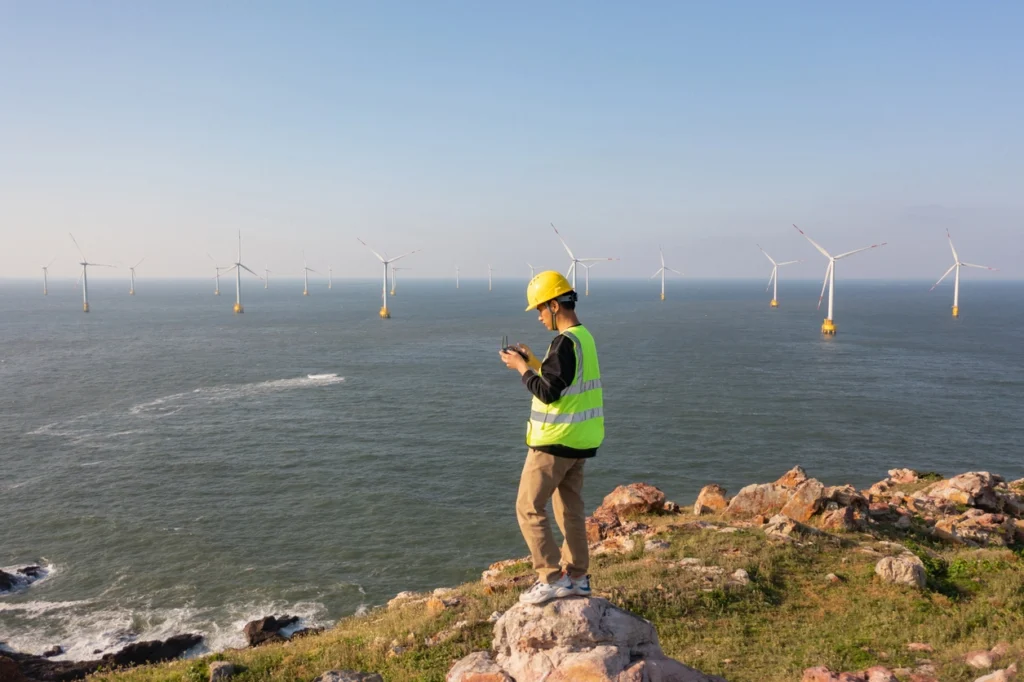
{"points": [[559, 479]]}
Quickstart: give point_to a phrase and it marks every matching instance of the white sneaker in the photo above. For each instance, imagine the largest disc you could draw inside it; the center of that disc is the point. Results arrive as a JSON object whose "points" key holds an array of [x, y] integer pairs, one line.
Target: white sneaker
{"points": [[542, 592], [580, 586]]}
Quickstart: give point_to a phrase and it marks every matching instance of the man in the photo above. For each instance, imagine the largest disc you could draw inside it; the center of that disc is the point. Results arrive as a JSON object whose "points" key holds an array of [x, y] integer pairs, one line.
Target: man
{"points": [[566, 427]]}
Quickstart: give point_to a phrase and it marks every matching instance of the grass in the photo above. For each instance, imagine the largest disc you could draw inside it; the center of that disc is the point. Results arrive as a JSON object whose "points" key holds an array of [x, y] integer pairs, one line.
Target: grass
{"points": [[787, 619]]}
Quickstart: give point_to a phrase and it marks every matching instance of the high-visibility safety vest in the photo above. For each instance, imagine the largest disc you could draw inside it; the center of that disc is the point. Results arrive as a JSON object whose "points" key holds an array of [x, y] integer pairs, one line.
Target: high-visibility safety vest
{"points": [[576, 419]]}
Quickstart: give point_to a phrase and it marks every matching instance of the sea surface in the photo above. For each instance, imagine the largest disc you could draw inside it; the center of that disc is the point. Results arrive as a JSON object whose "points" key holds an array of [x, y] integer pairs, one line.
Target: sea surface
{"points": [[178, 468]]}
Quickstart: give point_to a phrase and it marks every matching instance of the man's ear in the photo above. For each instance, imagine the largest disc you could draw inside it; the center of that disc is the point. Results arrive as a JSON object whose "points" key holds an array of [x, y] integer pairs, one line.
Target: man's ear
{"points": [[555, 307]]}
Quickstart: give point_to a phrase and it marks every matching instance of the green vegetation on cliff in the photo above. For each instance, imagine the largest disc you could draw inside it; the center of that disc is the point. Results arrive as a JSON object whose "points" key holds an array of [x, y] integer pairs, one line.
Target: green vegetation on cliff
{"points": [[808, 601]]}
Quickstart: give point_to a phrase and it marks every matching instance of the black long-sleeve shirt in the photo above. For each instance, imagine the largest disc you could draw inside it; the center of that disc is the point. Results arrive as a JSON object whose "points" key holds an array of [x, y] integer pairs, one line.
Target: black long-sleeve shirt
{"points": [[557, 373]]}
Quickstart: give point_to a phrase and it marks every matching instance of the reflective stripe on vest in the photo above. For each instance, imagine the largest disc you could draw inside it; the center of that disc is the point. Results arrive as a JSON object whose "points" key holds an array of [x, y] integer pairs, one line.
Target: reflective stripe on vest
{"points": [[576, 419]]}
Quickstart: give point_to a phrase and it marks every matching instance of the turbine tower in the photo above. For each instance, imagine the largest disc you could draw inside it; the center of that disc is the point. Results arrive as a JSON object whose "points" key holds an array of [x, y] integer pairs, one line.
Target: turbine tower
{"points": [[330, 277], [384, 312], [266, 280], [775, 276], [46, 269], [85, 273], [238, 267], [305, 275], [661, 271], [394, 278], [572, 267], [456, 276], [586, 279], [490, 280], [956, 281], [131, 291], [216, 277], [828, 327]]}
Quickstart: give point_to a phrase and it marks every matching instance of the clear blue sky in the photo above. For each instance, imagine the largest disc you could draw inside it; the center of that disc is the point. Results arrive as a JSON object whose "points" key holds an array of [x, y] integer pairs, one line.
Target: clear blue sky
{"points": [[158, 129]]}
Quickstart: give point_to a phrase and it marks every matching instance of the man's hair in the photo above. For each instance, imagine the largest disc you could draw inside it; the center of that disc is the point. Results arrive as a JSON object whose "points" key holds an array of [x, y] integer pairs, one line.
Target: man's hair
{"points": [[567, 300]]}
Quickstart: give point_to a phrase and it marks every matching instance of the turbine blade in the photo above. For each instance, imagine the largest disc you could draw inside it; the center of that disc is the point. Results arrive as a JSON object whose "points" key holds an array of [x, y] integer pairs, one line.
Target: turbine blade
{"points": [[866, 248], [951, 267], [656, 274], [674, 270], [955, 256], [233, 267], [981, 267], [379, 257], [771, 277], [101, 265], [53, 260], [661, 254], [139, 263], [789, 262], [568, 273], [248, 270], [595, 260], [824, 284], [816, 244], [567, 249], [403, 256], [77, 246], [767, 256]]}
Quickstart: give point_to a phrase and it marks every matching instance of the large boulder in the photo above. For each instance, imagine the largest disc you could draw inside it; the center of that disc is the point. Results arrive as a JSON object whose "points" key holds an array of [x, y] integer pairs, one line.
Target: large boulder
{"points": [[759, 499], [7, 582], [635, 498], [973, 489], [905, 569], [807, 499], [710, 500], [571, 640], [267, 629]]}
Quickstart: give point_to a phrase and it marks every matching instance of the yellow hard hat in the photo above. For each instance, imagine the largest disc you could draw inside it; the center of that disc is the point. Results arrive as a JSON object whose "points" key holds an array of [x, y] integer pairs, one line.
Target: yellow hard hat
{"points": [[546, 286]]}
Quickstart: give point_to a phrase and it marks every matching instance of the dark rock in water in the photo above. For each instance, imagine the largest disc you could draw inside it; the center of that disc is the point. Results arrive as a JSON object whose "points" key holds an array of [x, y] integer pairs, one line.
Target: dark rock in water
{"points": [[306, 632], [97, 651], [155, 651], [267, 629], [7, 582], [53, 651], [33, 571], [29, 668]]}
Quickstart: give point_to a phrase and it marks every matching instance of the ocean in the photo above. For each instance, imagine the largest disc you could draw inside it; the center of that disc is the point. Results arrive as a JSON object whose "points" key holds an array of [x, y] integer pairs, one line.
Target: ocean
{"points": [[179, 468]]}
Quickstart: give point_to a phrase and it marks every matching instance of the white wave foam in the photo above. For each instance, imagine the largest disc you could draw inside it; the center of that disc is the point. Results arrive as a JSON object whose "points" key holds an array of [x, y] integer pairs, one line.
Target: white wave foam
{"points": [[23, 581], [87, 633]]}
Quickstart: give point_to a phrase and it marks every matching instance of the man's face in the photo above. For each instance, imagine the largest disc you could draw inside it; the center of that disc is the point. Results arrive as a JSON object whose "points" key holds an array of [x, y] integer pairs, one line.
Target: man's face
{"points": [[546, 314]]}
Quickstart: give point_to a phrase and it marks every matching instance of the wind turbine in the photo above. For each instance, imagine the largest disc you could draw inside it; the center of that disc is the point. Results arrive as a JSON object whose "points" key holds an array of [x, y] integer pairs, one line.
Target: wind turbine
{"points": [[489, 279], [85, 274], [305, 275], [131, 291], [533, 271], [775, 276], [456, 276], [575, 260], [661, 271], [394, 279], [238, 267], [384, 312], [218, 268], [46, 269], [330, 277], [586, 269], [828, 327], [266, 280], [956, 281]]}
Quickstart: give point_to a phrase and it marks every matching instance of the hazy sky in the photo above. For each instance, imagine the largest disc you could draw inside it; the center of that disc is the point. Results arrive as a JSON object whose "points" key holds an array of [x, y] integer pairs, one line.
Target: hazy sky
{"points": [[158, 129]]}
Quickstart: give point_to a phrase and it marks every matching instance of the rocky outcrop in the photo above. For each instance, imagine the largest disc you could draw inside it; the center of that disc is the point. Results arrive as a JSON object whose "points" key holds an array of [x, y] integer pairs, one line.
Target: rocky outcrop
{"points": [[635, 498], [21, 578], [569, 640], [267, 629], [39, 669], [978, 528]]}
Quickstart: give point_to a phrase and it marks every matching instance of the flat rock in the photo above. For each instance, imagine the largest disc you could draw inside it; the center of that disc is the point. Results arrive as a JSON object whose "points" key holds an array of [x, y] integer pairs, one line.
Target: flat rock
{"points": [[141, 653], [348, 676], [760, 498]]}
